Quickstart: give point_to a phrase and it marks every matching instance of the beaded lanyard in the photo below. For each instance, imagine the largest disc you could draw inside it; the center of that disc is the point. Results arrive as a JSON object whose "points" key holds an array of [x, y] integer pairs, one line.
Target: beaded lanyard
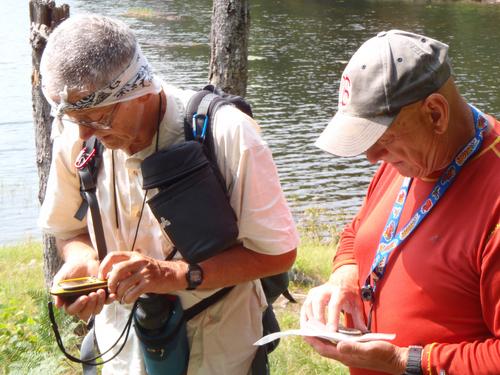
{"points": [[390, 240]]}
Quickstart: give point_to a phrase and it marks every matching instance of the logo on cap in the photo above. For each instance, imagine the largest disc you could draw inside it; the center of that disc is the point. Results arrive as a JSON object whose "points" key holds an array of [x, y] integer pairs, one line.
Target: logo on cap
{"points": [[345, 91]]}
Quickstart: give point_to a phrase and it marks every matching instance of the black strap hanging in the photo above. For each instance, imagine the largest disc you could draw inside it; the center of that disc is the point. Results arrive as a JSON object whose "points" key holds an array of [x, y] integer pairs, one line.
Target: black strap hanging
{"points": [[90, 361], [87, 165]]}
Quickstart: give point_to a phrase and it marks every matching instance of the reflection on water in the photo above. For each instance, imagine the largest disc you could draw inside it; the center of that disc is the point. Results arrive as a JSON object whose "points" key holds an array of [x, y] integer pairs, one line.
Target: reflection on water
{"points": [[298, 50]]}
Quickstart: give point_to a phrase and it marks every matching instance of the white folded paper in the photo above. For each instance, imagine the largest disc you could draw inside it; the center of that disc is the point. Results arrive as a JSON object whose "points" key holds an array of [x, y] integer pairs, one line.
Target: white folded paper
{"points": [[328, 335]]}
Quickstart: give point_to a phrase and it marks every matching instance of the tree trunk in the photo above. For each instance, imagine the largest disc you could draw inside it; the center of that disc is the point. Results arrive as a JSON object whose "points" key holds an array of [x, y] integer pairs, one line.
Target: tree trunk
{"points": [[44, 17], [229, 45]]}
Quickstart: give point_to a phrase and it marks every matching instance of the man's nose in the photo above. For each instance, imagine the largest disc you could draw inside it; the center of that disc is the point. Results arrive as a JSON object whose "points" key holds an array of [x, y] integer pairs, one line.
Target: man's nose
{"points": [[85, 132], [375, 153]]}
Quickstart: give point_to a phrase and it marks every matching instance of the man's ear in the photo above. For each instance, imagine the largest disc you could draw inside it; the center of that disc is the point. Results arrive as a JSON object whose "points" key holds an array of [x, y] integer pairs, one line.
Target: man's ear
{"points": [[437, 111]]}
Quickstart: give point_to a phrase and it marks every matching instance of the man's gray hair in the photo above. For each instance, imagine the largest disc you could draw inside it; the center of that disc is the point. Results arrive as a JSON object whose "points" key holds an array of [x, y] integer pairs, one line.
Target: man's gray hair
{"points": [[86, 52]]}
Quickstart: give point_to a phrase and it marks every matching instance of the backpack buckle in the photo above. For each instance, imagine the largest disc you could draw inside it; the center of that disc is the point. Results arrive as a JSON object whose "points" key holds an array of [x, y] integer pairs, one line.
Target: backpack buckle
{"points": [[197, 116], [84, 158]]}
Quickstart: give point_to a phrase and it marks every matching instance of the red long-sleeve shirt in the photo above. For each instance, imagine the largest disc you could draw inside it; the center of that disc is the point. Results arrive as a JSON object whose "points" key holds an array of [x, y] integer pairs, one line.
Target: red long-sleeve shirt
{"points": [[441, 288]]}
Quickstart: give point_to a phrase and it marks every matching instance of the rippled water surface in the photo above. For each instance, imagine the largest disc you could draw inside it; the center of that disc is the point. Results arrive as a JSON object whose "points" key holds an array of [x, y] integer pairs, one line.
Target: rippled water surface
{"points": [[298, 50]]}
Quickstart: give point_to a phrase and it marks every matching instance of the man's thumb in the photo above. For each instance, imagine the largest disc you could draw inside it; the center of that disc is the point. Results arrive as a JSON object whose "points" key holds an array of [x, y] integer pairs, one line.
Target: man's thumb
{"points": [[348, 348]]}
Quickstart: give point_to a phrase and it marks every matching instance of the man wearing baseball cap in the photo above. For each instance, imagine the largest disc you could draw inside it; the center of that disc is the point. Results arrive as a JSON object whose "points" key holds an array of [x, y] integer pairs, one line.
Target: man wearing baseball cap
{"points": [[421, 259]]}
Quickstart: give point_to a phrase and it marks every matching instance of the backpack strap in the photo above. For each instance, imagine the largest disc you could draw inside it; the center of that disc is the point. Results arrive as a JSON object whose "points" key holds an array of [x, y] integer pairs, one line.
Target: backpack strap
{"points": [[87, 164], [200, 111]]}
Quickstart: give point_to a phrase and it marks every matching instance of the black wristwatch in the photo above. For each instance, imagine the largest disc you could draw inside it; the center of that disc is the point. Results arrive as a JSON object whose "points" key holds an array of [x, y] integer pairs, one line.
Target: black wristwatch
{"points": [[194, 276], [414, 363]]}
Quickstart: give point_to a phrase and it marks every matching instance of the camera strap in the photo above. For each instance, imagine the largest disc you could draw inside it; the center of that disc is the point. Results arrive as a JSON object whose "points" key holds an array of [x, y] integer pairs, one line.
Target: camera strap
{"points": [[93, 360]]}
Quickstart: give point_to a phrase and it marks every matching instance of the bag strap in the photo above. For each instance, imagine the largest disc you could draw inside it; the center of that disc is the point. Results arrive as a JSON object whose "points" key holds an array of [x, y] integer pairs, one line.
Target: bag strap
{"points": [[200, 111], [206, 302], [87, 164], [90, 360]]}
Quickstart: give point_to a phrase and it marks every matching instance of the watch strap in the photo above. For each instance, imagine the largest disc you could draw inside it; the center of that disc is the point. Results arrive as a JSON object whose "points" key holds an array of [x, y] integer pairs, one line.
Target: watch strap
{"points": [[414, 363]]}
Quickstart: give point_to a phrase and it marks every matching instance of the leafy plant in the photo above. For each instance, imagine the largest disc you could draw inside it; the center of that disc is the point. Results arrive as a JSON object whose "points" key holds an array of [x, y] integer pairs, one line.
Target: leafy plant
{"points": [[27, 343]]}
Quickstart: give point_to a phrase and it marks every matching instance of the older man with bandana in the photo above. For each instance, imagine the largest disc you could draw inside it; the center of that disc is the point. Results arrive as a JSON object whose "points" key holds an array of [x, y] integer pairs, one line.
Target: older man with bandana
{"points": [[100, 84]]}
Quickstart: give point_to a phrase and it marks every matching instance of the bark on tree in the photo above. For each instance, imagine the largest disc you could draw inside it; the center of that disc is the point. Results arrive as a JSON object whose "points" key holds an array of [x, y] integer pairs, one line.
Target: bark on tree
{"points": [[229, 45], [44, 17]]}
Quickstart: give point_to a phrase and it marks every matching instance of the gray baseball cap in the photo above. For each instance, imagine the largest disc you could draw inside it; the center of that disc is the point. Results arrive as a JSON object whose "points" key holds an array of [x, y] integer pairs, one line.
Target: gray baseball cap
{"points": [[389, 71]]}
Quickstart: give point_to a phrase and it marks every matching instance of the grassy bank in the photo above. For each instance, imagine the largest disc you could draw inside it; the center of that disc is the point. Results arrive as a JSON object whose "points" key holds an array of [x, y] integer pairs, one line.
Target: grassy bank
{"points": [[27, 344], [293, 355]]}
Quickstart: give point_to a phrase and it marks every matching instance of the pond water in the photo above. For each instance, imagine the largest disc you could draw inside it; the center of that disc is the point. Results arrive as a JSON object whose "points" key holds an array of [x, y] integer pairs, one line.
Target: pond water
{"points": [[298, 49]]}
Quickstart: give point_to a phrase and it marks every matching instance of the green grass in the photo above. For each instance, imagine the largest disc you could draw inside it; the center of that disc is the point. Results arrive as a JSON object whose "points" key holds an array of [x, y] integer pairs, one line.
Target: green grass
{"points": [[27, 345], [295, 356], [312, 267]]}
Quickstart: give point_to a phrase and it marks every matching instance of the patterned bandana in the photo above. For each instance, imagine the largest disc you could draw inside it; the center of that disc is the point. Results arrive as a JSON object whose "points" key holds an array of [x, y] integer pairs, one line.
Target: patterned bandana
{"points": [[135, 81]]}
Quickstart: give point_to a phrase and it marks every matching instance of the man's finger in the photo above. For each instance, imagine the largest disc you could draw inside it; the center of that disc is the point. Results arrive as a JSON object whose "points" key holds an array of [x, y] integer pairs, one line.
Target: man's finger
{"points": [[133, 293], [347, 348], [358, 318], [323, 347], [101, 299], [305, 312], [90, 307], [319, 302], [334, 309], [76, 307], [58, 301], [126, 286], [123, 271], [110, 260]]}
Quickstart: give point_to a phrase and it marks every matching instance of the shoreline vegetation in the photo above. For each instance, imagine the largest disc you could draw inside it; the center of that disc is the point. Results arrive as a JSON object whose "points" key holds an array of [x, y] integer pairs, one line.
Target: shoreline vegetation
{"points": [[27, 343]]}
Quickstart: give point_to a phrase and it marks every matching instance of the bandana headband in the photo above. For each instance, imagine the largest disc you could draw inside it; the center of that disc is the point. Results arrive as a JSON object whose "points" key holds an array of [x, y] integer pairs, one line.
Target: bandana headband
{"points": [[135, 81]]}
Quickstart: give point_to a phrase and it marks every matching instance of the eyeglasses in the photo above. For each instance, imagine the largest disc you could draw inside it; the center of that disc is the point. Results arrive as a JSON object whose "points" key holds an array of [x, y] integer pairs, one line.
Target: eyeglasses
{"points": [[104, 123]]}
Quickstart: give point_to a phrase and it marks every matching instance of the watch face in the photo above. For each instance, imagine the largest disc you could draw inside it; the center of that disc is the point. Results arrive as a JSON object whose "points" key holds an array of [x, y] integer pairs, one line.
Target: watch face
{"points": [[195, 276]]}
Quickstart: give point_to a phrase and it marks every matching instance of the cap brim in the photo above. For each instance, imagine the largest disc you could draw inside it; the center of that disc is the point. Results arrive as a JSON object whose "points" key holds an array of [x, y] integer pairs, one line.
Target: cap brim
{"points": [[350, 136]]}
